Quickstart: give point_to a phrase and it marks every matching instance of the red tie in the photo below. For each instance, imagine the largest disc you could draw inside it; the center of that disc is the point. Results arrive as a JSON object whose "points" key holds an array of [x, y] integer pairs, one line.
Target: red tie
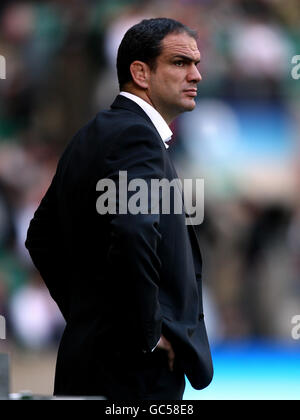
{"points": [[168, 142]]}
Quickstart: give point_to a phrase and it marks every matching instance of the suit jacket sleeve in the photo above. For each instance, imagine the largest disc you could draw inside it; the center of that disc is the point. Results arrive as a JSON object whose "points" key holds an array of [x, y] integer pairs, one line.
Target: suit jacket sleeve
{"points": [[135, 238], [46, 248]]}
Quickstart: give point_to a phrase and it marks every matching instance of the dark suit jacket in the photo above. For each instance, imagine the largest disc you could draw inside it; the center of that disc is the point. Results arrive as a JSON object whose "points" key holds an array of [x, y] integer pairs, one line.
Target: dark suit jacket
{"points": [[119, 280]]}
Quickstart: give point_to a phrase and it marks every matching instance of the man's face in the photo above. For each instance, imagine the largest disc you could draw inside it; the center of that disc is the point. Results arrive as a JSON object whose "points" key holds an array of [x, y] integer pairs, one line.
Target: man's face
{"points": [[173, 83]]}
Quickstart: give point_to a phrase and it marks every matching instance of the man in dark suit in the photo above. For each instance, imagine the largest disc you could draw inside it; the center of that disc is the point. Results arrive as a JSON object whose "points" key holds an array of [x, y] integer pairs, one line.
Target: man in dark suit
{"points": [[128, 283]]}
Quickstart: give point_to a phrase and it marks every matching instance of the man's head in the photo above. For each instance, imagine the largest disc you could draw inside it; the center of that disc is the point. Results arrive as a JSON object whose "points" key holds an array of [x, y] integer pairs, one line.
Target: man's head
{"points": [[157, 61]]}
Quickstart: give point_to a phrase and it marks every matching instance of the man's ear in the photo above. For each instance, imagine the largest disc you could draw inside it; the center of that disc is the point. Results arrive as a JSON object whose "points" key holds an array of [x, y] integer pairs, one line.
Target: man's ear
{"points": [[140, 73]]}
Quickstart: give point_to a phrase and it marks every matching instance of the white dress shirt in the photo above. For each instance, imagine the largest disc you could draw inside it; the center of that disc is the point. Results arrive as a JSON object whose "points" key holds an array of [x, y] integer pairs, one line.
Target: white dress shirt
{"points": [[157, 120]]}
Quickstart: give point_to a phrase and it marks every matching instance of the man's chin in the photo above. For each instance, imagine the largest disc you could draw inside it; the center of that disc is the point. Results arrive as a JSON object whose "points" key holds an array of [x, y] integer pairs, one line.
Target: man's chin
{"points": [[185, 106], [189, 105]]}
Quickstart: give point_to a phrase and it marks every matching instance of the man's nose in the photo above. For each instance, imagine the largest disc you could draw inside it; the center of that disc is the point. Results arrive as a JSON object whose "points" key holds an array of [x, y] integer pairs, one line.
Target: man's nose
{"points": [[194, 75]]}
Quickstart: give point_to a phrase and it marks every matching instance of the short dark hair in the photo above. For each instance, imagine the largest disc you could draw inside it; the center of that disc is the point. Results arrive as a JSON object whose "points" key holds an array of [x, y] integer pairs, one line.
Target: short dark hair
{"points": [[143, 42]]}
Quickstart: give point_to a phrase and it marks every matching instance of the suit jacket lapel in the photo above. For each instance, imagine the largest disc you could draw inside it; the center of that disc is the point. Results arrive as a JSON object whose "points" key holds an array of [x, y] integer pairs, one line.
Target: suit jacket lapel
{"points": [[125, 103], [192, 232]]}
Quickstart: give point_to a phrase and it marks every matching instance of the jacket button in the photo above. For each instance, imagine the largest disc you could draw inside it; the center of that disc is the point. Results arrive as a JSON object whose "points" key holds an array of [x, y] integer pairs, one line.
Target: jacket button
{"points": [[200, 317]]}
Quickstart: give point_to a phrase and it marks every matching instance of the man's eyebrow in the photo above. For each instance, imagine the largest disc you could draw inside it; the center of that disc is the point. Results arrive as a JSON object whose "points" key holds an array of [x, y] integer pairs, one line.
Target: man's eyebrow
{"points": [[186, 58]]}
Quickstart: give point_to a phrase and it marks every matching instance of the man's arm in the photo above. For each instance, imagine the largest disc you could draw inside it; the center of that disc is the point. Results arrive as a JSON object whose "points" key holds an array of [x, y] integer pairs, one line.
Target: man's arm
{"points": [[135, 238], [44, 245]]}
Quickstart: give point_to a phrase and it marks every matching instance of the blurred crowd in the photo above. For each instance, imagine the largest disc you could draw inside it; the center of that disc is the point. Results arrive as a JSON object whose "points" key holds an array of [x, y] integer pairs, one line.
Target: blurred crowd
{"points": [[60, 57]]}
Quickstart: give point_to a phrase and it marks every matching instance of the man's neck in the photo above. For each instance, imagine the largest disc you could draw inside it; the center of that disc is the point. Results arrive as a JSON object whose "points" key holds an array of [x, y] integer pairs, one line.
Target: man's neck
{"points": [[140, 93], [144, 95]]}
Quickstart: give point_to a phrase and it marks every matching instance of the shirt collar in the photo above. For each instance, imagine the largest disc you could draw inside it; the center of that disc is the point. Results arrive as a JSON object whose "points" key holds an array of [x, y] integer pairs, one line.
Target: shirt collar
{"points": [[157, 120]]}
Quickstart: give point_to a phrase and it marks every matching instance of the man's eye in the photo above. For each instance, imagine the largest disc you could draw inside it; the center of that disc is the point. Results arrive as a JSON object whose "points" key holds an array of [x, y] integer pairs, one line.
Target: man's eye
{"points": [[179, 63]]}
